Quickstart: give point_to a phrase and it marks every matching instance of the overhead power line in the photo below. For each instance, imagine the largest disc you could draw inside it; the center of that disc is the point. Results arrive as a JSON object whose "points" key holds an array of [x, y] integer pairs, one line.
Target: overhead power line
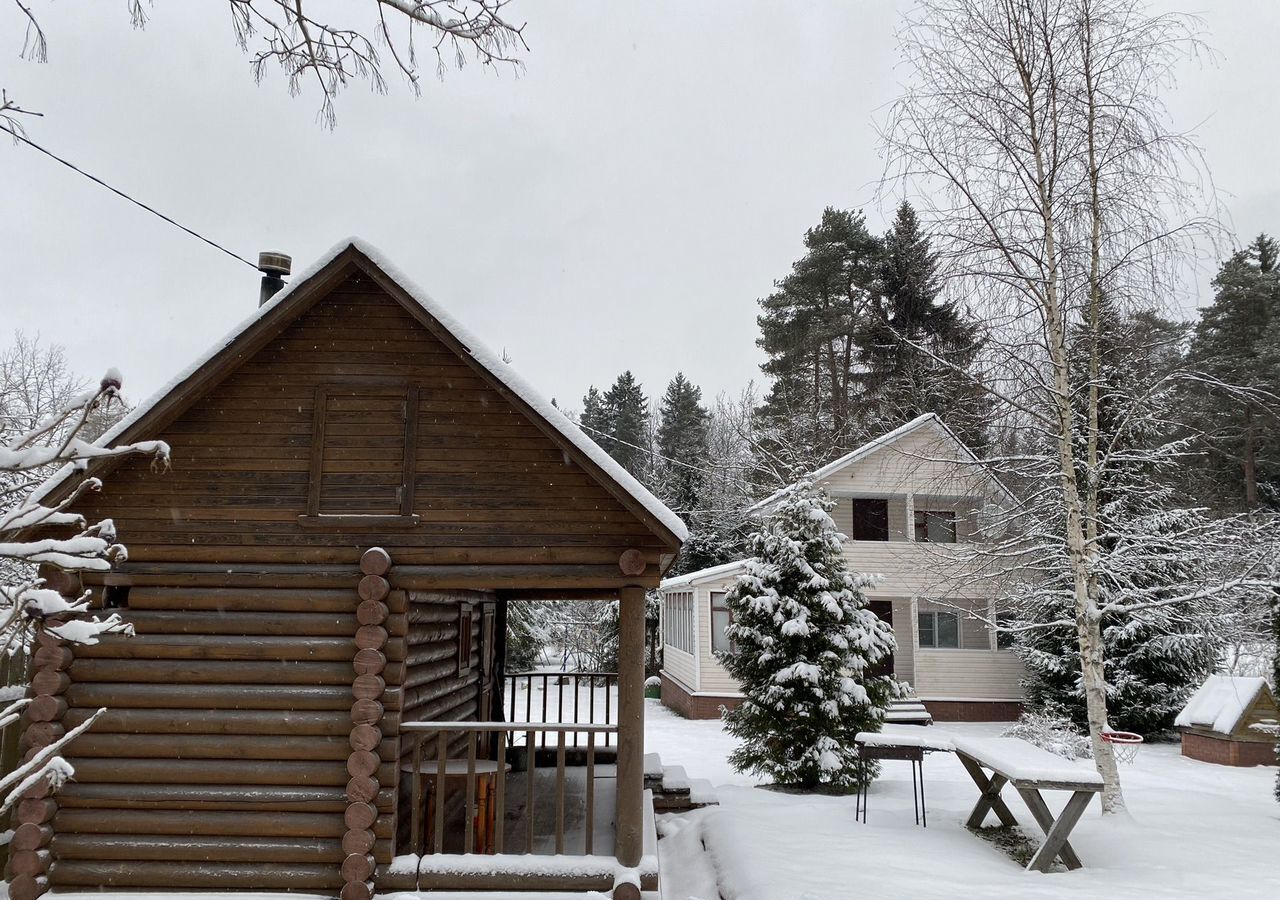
{"points": [[73, 167], [656, 455]]}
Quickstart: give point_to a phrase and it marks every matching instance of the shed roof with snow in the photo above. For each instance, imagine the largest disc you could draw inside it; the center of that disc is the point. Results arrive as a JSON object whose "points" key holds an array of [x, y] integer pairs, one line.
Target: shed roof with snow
{"points": [[1227, 703]]}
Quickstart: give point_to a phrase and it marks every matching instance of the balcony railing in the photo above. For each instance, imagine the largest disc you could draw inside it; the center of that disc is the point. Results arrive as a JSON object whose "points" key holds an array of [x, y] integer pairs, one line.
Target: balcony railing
{"points": [[587, 698], [438, 777]]}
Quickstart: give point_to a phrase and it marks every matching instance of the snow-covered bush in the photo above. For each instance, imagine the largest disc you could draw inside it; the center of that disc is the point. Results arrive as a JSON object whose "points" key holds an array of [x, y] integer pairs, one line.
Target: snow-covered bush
{"points": [[805, 645], [1051, 729], [34, 535]]}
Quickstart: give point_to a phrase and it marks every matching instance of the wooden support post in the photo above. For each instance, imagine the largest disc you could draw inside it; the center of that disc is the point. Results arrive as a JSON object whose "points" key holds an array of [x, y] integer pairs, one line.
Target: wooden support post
{"points": [[367, 689], [629, 841]]}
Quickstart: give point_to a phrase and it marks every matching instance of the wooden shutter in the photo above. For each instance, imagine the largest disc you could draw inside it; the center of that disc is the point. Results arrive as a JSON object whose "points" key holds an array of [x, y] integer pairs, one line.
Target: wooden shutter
{"points": [[362, 454]]}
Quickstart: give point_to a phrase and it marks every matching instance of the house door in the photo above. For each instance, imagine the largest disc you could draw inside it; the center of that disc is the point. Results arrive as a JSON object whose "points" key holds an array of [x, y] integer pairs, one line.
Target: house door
{"points": [[883, 609]]}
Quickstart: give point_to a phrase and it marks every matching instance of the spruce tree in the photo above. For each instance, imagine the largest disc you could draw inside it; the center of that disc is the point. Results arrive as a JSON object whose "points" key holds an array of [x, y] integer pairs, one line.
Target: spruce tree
{"points": [[595, 418], [682, 441], [528, 625], [804, 646], [627, 412], [910, 349]]}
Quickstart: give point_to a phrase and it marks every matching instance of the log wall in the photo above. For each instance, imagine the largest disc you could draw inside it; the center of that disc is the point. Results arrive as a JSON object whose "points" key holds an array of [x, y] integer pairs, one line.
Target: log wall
{"points": [[223, 758]]}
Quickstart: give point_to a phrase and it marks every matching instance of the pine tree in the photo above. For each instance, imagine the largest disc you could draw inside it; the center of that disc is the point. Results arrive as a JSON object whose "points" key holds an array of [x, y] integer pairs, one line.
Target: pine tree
{"points": [[805, 644], [627, 411], [808, 329], [682, 441], [1235, 343], [910, 349]]}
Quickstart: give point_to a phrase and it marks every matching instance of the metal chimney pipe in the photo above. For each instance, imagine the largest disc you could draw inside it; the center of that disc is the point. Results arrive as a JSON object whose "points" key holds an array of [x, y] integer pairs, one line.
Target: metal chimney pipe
{"points": [[272, 264]]}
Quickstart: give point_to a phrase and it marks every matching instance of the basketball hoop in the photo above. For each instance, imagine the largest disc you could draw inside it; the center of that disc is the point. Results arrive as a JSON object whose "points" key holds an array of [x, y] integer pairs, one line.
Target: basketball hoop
{"points": [[1124, 744]]}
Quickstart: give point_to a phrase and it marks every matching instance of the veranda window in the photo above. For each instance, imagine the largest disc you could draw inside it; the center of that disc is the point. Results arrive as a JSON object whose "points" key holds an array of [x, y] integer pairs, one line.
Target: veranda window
{"points": [[721, 619], [677, 617]]}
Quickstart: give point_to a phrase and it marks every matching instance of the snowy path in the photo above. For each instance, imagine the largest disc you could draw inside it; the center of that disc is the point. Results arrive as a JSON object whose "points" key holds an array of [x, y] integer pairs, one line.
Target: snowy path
{"points": [[1196, 830]]}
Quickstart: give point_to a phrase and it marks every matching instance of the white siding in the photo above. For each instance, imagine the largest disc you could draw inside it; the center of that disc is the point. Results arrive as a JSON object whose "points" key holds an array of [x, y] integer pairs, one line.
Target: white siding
{"points": [[923, 462], [975, 671], [679, 665], [920, 569], [968, 675]]}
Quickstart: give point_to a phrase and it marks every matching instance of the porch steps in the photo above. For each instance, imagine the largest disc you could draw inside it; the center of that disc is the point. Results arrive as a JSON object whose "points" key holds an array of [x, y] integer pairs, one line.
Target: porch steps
{"points": [[673, 789], [909, 711]]}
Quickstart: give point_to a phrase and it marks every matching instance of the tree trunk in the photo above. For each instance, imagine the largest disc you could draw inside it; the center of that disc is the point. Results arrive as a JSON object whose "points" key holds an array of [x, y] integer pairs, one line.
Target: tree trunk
{"points": [[1250, 462]]}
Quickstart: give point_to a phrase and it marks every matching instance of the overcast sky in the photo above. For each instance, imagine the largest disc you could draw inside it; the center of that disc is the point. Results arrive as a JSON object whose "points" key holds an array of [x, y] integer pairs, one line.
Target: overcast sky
{"points": [[621, 204]]}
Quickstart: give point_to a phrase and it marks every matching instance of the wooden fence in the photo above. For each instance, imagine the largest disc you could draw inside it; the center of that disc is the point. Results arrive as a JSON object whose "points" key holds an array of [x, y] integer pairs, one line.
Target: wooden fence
{"points": [[587, 698], [435, 779]]}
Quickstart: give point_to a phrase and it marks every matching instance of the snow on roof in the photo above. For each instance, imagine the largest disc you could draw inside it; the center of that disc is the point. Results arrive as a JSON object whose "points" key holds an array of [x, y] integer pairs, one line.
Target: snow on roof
{"points": [[1220, 702], [482, 354], [870, 447], [708, 574]]}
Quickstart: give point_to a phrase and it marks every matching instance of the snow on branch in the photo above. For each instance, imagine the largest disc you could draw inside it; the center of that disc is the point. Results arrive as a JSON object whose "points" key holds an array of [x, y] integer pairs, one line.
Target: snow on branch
{"points": [[34, 534]]}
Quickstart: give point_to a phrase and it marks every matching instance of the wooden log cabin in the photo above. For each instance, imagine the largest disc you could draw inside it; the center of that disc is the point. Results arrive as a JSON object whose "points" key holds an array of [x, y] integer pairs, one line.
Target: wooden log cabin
{"points": [[318, 586]]}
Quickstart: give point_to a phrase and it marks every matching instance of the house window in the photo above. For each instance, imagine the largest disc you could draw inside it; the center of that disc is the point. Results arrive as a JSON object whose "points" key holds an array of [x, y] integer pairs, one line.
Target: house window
{"points": [[364, 437], [1004, 639], [677, 618], [935, 527], [870, 519], [940, 630], [721, 619]]}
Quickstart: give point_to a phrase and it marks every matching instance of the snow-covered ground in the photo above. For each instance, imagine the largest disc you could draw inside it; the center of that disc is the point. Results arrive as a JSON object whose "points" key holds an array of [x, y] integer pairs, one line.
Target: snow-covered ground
{"points": [[1195, 830]]}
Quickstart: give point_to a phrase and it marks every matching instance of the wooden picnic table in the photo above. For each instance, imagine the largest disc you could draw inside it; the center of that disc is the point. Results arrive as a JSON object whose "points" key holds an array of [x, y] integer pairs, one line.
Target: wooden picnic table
{"points": [[901, 742], [1030, 770]]}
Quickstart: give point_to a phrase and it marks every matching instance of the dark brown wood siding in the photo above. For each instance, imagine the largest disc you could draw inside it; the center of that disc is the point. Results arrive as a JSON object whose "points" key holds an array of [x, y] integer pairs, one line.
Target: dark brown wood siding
{"points": [[488, 485]]}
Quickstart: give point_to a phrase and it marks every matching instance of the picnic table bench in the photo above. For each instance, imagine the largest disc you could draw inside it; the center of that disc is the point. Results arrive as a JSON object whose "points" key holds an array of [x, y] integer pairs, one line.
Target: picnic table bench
{"points": [[1030, 770]]}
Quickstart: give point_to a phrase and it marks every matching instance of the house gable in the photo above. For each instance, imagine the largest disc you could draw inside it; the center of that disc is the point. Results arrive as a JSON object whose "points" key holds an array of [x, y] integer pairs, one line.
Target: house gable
{"points": [[923, 456], [346, 414]]}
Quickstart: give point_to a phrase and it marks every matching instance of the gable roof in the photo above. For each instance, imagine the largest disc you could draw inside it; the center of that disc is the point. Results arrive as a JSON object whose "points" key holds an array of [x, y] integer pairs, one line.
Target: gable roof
{"points": [[919, 423], [1220, 702], [712, 573], [288, 304]]}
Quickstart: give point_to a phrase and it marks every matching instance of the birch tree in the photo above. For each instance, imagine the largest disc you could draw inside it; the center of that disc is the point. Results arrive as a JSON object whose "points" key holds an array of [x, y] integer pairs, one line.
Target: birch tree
{"points": [[1039, 126], [332, 46]]}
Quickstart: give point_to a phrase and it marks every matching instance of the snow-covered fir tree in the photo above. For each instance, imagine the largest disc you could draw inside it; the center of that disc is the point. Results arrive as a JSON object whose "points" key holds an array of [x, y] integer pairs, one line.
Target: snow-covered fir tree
{"points": [[805, 646], [627, 410]]}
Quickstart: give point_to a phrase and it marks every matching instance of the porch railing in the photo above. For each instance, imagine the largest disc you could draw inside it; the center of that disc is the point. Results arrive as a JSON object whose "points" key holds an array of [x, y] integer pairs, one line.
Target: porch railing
{"points": [[589, 698], [482, 781]]}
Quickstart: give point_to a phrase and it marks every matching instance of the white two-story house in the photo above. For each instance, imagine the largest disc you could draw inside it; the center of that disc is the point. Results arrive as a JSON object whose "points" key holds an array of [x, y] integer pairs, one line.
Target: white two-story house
{"points": [[913, 505]]}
